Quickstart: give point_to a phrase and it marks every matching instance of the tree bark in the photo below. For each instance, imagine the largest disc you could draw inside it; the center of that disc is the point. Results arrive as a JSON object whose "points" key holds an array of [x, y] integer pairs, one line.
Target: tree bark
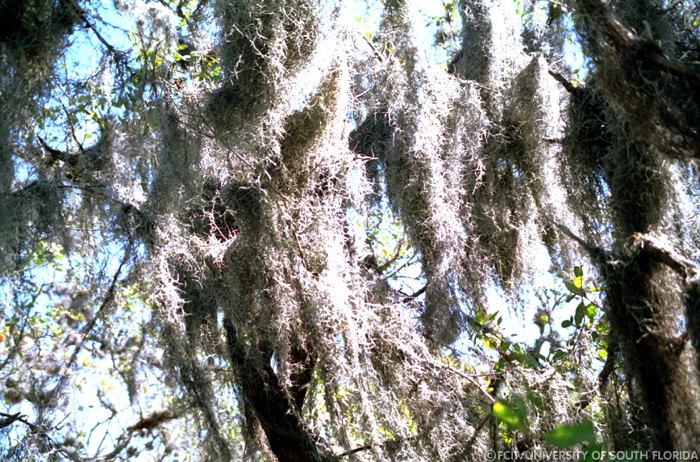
{"points": [[274, 408]]}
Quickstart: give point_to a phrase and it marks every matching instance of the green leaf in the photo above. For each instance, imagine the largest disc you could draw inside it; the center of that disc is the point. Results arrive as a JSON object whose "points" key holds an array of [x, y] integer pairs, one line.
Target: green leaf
{"points": [[578, 271], [591, 311], [507, 414], [531, 361], [498, 366], [565, 436], [575, 290], [580, 313], [566, 323]]}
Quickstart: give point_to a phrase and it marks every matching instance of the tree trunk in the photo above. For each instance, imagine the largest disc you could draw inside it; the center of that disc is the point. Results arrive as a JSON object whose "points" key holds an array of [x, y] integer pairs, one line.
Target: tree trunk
{"points": [[648, 287], [273, 407]]}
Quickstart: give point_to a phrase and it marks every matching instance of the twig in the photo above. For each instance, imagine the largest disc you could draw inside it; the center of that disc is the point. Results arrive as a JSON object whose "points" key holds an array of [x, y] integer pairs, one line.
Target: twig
{"points": [[477, 430], [594, 251], [471, 380], [369, 446], [354, 451], [565, 83], [82, 14], [371, 45], [415, 295], [9, 419]]}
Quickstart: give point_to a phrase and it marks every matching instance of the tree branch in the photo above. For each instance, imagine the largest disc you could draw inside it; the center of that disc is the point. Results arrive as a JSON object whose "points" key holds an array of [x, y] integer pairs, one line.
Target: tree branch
{"points": [[9, 419], [565, 83], [87, 329], [385, 444], [661, 251], [415, 295], [286, 433], [82, 14], [596, 253], [56, 154]]}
